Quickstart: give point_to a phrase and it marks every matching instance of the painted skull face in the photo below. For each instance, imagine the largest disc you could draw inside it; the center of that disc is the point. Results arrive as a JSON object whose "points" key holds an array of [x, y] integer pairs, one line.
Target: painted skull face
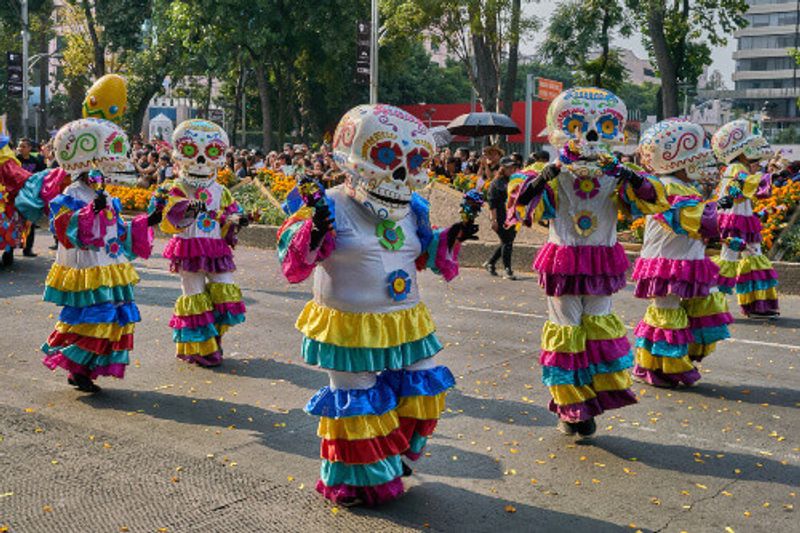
{"points": [[740, 137], [672, 145], [200, 147], [90, 143], [384, 151], [596, 116]]}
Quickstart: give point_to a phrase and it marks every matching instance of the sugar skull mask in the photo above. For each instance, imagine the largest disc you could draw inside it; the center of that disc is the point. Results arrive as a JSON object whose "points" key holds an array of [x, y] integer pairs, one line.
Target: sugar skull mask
{"points": [[597, 116], [199, 149], [90, 143], [740, 137], [384, 151], [672, 145]]}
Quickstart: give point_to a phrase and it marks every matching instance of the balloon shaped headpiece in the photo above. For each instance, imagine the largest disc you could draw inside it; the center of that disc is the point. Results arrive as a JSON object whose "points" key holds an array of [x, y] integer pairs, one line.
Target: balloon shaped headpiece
{"points": [[107, 98]]}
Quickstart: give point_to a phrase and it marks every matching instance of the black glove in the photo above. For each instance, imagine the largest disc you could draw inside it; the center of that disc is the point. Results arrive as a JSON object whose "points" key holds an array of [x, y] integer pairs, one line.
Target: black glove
{"points": [[322, 223], [726, 202], [195, 207], [99, 203], [154, 218], [626, 174], [462, 231], [535, 189]]}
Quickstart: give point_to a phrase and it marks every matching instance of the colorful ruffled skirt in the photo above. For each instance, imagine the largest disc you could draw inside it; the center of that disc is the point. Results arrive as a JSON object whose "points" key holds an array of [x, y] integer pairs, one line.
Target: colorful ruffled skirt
{"points": [[754, 281], [213, 303], [94, 333], [365, 432]]}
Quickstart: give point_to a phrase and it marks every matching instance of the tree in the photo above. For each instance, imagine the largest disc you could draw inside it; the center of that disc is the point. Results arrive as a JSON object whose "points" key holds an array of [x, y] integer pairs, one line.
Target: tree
{"points": [[474, 31], [679, 35], [579, 35]]}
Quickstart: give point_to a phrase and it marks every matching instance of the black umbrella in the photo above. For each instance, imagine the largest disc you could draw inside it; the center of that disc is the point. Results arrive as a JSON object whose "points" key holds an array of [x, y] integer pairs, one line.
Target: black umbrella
{"points": [[481, 124]]}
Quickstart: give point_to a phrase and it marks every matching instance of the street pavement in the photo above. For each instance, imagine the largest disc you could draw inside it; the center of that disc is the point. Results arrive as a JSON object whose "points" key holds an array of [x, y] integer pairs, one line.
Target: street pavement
{"points": [[176, 448]]}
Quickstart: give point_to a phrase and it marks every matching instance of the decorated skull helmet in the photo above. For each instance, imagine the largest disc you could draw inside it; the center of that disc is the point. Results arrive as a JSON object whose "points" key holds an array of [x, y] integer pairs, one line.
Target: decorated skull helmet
{"points": [[383, 151], [90, 143], [199, 149], [740, 137], [673, 144], [598, 114]]}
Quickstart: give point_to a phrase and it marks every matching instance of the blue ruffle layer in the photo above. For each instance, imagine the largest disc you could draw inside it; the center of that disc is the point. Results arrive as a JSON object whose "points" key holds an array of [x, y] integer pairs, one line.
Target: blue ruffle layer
{"points": [[87, 358], [340, 403], [378, 473], [200, 334], [662, 348], [102, 295], [755, 285], [344, 359], [429, 382], [711, 334], [101, 314], [553, 375]]}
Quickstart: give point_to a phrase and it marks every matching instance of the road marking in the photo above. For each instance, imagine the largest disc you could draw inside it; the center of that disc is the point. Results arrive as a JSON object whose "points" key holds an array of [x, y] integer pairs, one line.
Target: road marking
{"points": [[544, 317]]}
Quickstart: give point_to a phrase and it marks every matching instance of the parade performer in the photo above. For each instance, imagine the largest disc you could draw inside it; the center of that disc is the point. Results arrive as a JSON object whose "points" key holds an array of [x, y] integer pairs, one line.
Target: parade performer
{"points": [[203, 219], [92, 278], [740, 145], [585, 352], [12, 179], [687, 315], [366, 325]]}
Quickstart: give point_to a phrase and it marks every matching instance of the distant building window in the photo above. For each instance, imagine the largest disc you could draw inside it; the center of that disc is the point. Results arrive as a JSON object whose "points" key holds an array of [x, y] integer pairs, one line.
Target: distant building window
{"points": [[761, 64], [766, 41], [649, 72]]}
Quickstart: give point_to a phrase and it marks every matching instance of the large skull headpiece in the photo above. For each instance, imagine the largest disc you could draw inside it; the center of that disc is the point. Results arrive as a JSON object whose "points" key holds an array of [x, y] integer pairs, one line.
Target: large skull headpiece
{"points": [[740, 137], [383, 150], [90, 143], [674, 144], [598, 114], [199, 149]]}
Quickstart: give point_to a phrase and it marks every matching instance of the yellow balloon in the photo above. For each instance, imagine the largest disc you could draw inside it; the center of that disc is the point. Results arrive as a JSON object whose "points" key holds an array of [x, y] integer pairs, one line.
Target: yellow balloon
{"points": [[107, 98]]}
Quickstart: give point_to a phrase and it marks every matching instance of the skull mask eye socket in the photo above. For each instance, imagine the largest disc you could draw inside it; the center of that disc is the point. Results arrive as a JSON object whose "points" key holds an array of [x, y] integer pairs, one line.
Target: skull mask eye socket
{"points": [[575, 122], [187, 148], [416, 159], [215, 150], [386, 155], [608, 126]]}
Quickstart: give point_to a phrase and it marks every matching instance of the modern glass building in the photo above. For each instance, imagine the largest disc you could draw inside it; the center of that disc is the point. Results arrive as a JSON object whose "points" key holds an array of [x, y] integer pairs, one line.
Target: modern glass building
{"points": [[766, 77]]}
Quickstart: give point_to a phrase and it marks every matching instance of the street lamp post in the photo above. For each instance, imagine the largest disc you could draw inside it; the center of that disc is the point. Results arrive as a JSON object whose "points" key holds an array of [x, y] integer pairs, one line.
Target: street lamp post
{"points": [[373, 55], [25, 81]]}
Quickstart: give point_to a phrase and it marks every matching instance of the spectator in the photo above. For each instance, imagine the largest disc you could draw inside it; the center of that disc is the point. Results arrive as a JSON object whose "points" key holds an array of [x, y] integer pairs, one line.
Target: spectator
{"points": [[164, 168], [147, 167], [240, 168], [498, 194], [284, 164], [542, 156], [33, 163], [49, 156], [230, 160], [259, 163], [489, 165]]}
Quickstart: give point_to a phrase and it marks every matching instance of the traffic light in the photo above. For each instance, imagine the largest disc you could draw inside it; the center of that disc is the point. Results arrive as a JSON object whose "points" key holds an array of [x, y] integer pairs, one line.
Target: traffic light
{"points": [[14, 74]]}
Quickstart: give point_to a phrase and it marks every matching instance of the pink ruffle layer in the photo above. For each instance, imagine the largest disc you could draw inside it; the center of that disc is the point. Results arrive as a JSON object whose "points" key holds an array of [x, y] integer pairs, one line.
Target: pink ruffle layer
{"points": [[746, 227], [210, 360], [295, 265], [605, 401], [758, 275], [660, 379], [581, 284], [710, 321], [375, 495], [59, 360], [656, 334], [193, 321], [235, 308], [597, 351], [581, 260], [199, 255], [447, 260], [659, 276]]}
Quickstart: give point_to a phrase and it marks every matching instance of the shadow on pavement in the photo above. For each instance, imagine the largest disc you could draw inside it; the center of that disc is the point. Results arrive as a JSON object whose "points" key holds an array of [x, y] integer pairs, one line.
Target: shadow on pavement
{"points": [[522, 414], [682, 459], [469, 465], [746, 393], [293, 432], [442, 507], [300, 375]]}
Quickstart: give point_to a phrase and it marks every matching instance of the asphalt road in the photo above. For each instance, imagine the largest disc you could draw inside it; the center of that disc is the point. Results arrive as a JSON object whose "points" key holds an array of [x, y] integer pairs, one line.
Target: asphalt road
{"points": [[176, 448]]}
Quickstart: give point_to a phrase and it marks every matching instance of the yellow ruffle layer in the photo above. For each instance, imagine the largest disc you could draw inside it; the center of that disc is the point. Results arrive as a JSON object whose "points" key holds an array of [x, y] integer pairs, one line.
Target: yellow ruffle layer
{"points": [[750, 297], [358, 427], [713, 304], [701, 350], [422, 407], [194, 304], [572, 339], [364, 330], [727, 269], [750, 263], [666, 318], [569, 394], [197, 348], [224, 292], [109, 331], [70, 279], [667, 365]]}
